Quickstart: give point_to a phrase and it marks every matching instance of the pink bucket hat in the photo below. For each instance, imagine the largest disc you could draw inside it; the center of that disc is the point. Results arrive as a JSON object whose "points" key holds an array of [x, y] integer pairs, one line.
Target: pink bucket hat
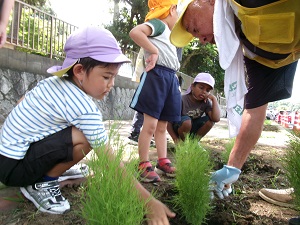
{"points": [[97, 43], [202, 78]]}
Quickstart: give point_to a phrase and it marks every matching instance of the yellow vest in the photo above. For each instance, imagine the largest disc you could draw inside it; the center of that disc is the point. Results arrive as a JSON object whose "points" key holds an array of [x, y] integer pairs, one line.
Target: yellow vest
{"points": [[274, 28]]}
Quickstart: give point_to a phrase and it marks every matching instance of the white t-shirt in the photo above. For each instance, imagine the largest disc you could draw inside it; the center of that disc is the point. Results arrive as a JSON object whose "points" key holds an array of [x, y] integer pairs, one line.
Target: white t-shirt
{"points": [[160, 37]]}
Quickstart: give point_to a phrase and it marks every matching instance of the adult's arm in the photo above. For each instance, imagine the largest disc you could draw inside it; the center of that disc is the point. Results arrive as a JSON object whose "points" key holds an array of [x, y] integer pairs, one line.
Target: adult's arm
{"points": [[4, 16]]}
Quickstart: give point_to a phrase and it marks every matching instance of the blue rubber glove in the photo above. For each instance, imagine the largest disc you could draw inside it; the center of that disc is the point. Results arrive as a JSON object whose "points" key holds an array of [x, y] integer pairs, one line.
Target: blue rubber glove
{"points": [[227, 175]]}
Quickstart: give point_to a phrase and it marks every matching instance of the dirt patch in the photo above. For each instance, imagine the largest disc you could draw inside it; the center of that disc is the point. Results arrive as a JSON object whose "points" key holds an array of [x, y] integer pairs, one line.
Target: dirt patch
{"points": [[270, 127], [262, 169]]}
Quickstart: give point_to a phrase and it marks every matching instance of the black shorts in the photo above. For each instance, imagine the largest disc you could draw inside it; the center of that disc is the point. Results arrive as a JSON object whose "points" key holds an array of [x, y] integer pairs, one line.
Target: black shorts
{"points": [[41, 157], [266, 84]]}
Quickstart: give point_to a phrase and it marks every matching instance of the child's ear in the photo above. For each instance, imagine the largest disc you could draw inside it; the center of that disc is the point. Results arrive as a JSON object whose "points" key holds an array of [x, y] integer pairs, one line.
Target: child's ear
{"points": [[78, 71], [173, 9]]}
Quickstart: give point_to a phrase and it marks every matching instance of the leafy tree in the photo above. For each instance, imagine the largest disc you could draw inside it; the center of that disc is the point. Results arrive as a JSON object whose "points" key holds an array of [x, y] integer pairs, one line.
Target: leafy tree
{"points": [[35, 2], [203, 58], [126, 19]]}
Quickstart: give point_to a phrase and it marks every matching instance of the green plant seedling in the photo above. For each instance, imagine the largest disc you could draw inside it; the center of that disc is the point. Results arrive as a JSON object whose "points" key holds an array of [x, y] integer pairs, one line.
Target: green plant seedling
{"points": [[292, 166], [225, 154], [110, 196], [193, 169]]}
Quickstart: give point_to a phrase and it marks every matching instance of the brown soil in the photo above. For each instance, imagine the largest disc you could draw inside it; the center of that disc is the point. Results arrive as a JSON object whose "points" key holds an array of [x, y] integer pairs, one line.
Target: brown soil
{"points": [[262, 169]]}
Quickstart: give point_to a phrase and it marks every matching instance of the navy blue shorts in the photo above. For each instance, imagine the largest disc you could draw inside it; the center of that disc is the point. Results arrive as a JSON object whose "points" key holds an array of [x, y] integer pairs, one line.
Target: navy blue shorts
{"points": [[268, 85], [158, 94], [41, 157], [196, 123]]}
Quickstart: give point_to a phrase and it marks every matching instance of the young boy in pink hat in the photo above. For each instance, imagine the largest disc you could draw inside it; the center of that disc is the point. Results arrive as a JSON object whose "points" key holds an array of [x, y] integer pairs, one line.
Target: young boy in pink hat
{"points": [[57, 123], [157, 96], [200, 110]]}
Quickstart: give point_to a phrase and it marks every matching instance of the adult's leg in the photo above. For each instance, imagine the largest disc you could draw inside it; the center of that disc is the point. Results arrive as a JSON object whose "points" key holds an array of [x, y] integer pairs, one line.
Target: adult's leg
{"points": [[81, 148], [251, 128]]}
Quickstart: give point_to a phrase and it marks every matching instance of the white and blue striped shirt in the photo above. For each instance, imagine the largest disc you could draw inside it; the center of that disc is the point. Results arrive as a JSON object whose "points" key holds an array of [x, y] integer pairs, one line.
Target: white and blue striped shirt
{"points": [[54, 104]]}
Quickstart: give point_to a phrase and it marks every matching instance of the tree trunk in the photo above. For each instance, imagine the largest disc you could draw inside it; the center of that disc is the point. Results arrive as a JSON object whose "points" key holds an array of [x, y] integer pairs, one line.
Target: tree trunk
{"points": [[116, 10]]}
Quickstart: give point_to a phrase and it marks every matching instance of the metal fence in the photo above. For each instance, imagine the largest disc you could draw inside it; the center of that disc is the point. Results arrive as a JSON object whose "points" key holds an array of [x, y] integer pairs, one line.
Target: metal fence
{"points": [[33, 30]]}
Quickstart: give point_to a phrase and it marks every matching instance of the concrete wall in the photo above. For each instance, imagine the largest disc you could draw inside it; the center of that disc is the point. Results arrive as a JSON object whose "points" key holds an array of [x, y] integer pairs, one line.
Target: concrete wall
{"points": [[20, 72]]}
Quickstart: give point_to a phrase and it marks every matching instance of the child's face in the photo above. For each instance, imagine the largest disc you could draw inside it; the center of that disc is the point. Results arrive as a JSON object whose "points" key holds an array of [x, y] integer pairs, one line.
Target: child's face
{"points": [[200, 91], [99, 81]]}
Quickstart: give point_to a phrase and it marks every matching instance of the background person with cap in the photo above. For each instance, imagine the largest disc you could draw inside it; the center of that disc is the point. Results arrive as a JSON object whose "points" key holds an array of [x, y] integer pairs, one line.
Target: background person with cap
{"points": [[200, 110], [158, 96], [271, 52], [57, 123]]}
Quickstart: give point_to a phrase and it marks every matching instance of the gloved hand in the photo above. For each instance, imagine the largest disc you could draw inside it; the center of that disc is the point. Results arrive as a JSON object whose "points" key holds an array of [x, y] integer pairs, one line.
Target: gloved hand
{"points": [[225, 176]]}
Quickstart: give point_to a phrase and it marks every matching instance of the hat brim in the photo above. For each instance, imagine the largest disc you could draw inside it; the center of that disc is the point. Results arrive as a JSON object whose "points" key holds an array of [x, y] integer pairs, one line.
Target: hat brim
{"points": [[190, 87], [205, 82], [179, 36], [61, 70], [111, 58], [68, 63]]}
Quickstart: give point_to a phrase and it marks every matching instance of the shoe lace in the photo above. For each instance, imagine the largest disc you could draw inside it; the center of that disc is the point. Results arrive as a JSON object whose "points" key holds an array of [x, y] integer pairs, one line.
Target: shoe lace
{"points": [[145, 166], [55, 192], [149, 169]]}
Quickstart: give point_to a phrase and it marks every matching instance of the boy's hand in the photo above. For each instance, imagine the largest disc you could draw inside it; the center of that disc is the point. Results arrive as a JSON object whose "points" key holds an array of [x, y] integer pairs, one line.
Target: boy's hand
{"points": [[151, 61], [158, 213], [211, 97]]}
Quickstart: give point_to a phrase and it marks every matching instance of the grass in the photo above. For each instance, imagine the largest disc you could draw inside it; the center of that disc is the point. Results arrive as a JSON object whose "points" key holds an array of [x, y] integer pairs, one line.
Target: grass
{"points": [[192, 180], [267, 122], [110, 197], [274, 180], [225, 154], [292, 166]]}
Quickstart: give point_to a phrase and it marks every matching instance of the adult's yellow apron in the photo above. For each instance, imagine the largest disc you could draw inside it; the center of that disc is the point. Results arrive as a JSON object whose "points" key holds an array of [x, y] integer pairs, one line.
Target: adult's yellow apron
{"points": [[273, 28]]}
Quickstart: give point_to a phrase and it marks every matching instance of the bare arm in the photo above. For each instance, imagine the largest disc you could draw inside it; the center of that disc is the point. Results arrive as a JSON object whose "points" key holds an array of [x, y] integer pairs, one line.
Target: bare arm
{"points": [[251, 128], [215, 113], [4, 16], [21, 99], [139, 35]]}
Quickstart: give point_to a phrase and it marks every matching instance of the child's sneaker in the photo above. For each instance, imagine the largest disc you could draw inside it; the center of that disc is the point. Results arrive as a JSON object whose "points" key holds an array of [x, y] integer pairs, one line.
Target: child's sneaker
{"points": [[148, 175], [46, 196], [77, 171], [164, 166]]}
